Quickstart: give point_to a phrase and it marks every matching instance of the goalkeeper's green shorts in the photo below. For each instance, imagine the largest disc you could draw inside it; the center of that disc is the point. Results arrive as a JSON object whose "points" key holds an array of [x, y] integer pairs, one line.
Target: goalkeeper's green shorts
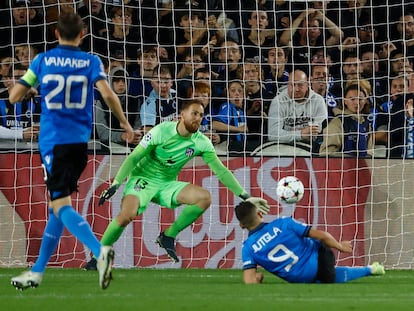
{"points": [[148, 190]]}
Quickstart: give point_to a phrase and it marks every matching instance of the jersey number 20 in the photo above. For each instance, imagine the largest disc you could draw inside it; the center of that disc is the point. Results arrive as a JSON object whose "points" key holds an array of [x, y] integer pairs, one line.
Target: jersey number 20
{"points": [[66, 86]]}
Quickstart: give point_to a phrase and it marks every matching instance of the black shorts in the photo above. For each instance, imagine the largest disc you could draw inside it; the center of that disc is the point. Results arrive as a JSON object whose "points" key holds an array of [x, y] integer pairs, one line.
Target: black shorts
{"points": [[326, 265], [69, 161]]}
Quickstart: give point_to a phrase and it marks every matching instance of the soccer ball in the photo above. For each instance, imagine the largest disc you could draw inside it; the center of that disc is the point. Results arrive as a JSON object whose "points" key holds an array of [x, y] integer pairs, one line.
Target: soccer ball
{"points": [[290, 190]]}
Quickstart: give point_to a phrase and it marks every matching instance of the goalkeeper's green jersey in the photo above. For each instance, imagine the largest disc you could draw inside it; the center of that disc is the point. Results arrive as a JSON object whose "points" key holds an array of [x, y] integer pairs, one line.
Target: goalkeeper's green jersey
{"points": [[162, 153]]}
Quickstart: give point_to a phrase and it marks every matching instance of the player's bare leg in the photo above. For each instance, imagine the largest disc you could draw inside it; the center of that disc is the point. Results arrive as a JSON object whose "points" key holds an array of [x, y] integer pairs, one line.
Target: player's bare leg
{"points": [[197, 200]]}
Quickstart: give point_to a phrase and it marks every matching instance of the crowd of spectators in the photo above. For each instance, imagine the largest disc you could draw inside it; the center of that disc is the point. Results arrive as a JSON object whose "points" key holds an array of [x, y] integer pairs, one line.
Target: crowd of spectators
{"points": [[336, 75]]}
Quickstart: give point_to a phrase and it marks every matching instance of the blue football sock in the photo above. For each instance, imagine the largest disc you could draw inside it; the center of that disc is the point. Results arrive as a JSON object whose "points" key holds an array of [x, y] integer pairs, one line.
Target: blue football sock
{"points": [[346, 274], [50, 240], [80, 228]]}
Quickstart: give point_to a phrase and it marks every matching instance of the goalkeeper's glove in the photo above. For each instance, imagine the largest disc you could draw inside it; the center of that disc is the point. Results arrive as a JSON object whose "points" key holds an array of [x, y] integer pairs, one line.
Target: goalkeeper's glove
{"points": [[108, 193], [260, 203]]}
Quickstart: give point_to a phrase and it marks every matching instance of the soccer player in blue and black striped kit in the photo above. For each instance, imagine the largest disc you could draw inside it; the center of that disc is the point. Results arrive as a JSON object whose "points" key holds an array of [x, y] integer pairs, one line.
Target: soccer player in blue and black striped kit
{"points": [[66, 78], [293, 251]]}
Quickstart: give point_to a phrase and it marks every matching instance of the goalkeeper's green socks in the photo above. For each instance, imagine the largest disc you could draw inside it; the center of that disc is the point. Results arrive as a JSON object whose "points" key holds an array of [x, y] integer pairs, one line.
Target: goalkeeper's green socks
{"points": [[112, 233], [189, 214]]}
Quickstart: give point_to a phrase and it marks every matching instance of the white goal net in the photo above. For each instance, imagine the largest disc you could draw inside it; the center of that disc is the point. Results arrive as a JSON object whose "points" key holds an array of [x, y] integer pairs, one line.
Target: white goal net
{"points": [[258, 63]]}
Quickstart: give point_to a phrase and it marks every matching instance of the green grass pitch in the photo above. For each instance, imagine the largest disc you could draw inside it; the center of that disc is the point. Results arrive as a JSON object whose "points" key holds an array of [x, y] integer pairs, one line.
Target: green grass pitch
{"points": [[202, 289]]}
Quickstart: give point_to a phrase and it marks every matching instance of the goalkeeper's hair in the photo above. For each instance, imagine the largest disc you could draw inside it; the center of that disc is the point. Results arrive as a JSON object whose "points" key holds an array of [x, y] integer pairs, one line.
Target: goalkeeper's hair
{"points": [[186, 103], [245, 213], [69, 25]]}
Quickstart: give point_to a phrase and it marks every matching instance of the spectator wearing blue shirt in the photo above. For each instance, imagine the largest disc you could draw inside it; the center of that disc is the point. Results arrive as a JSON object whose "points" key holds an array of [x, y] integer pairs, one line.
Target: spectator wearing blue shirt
{"points": [[293, 251], [161, 104], [23, 114], [16, 121], [230, 120]]}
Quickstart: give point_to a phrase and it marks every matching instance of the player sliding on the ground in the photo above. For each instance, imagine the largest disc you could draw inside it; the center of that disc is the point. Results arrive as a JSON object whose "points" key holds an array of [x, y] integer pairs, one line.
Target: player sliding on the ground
{"points": [[152, 170], [67, 77], [293, 251]]}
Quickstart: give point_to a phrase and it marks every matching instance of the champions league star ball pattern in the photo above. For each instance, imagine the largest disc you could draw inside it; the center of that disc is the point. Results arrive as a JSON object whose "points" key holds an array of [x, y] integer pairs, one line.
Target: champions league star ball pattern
{"points": [[290, 190]]}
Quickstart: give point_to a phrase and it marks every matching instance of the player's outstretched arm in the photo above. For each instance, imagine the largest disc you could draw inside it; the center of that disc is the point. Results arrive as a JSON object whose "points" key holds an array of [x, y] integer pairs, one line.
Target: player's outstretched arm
{"points": [[326, 238], [228, 179], [114, 104]]}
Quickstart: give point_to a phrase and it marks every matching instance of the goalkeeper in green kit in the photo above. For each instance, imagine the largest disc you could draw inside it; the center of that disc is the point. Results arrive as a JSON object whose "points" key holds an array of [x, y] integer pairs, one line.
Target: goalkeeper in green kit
{"points": [[152, 169]]}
